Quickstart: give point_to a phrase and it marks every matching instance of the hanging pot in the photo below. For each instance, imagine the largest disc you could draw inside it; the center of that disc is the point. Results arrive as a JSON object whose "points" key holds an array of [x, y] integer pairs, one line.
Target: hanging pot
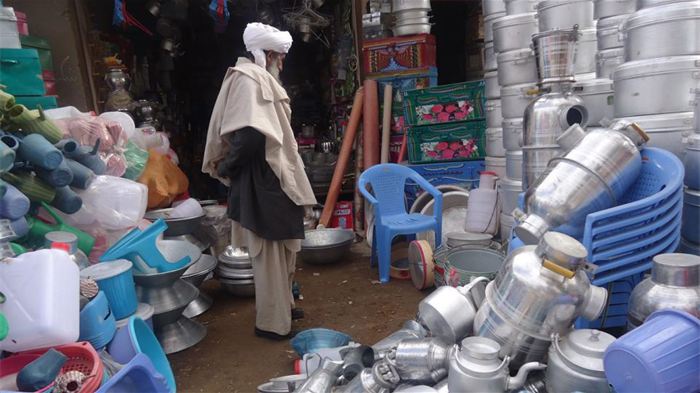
{"points": [[564, 14], [608, 60], [668, 30], [609, 36], [517, 67], [494, 117], [492, 87], [664, 85], [608, 8], [513, 32], [597, 96], [512, 133]]}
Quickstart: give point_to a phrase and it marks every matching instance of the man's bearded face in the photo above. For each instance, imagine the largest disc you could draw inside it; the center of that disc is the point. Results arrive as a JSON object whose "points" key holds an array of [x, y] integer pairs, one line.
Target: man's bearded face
{"points": [[275, 64]]}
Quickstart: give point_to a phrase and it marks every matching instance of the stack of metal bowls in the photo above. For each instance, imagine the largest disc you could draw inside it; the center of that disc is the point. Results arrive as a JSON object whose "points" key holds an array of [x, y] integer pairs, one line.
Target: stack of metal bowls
{"points": [[235, 272], [170, 295], [196, 275], [411, 17], [655, 85]]}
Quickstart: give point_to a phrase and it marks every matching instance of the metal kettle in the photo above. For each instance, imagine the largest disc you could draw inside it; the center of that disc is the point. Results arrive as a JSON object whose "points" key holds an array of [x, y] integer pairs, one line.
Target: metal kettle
{"points": [[575, 362], [674, 284], [381, 378], [476, 367], [410, 329]]}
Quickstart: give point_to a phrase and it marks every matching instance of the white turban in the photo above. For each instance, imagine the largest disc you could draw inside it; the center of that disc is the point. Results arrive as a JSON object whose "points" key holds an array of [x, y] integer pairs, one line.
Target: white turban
{"points": [[258, 37]]}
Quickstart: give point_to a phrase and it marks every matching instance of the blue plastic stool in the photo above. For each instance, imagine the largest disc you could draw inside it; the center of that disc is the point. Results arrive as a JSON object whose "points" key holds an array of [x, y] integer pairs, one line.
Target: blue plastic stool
{"points": [[138, 375], [140, 248], [388, 182]]}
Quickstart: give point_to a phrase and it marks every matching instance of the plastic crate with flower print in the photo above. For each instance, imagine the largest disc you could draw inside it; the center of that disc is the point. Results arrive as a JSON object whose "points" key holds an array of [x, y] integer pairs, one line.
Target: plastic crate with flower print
{"points": [[447, 142], [445, 104]]}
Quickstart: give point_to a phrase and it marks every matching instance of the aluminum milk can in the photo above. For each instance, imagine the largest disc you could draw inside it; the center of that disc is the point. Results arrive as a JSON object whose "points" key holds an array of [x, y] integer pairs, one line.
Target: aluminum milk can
{"points": [[423, 360]]}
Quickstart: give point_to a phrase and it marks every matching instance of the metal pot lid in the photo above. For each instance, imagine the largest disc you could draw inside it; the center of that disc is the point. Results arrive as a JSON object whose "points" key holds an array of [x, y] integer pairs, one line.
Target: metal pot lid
{"points": [[518, 54], [612, 22], [525, 89], [513, 123], [420, 264], [663, 65], [663, 13], [593, 86], [585, 348], [515, 20], [562, 250], [681, 270], [491, 17], [543, 5], [665, 121]]}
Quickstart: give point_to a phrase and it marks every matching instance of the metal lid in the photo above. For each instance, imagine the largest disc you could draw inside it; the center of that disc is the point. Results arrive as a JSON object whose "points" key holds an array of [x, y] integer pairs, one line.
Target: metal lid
{"points": [[682, 270], [573, 34], [525, 89], [517, 54], [593, 86], [664, 122], [462, 238], [67, 239], [104, 270], [660, 65], [662, 14], [543, 5], [515, 20], [563, 250], [481, 348], [612, 22], [585, 348]]}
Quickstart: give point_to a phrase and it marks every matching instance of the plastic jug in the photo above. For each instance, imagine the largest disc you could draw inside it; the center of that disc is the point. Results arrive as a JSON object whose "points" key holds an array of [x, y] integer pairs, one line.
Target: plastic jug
{"points": [[42, 306], [14, 204], [483, 208]]}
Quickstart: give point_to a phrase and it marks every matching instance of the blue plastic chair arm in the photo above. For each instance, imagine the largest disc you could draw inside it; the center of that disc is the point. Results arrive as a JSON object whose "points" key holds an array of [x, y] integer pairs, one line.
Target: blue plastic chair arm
{"points": [[365, 193]]}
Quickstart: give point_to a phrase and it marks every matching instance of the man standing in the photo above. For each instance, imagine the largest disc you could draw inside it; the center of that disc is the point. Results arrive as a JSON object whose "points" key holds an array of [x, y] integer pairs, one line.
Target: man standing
{"points": [[251, 147]]}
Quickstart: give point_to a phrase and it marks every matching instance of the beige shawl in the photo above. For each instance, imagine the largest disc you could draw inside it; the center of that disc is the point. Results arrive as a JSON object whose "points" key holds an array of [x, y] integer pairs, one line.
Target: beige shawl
{"points": [[251, 97]]}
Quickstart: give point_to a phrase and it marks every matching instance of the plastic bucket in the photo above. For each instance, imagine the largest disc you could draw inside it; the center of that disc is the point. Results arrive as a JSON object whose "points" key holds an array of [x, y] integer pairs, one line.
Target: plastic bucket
{"points": [[97, 324], [662, 355], [117, 281]]}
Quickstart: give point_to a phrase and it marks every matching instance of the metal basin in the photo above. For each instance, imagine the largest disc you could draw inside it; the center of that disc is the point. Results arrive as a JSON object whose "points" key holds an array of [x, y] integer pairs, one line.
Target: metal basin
{"points": [[242, 288], [168, 302], [164, 279], [464, 263], [234, 274], [203, 244], [198, 306], [454, 215], [325, 246], [176, 226], [197, 273], [180, 335]]}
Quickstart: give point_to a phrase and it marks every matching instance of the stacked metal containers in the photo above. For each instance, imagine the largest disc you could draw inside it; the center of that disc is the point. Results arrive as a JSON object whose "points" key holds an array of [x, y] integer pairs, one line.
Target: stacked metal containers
{"points": [[655, 85], [690, 230], [516, 83]]}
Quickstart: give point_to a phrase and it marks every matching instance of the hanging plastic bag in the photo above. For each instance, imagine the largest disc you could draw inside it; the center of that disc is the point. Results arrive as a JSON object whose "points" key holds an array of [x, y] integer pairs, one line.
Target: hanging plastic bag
{"points": [[164, 180], [136, 159]]}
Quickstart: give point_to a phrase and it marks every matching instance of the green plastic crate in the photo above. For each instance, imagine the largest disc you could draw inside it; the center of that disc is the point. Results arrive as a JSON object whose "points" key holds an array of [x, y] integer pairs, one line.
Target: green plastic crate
{"points": [[445, 104], [42, 47], [447, 142], [20, 72], [33, 102]]}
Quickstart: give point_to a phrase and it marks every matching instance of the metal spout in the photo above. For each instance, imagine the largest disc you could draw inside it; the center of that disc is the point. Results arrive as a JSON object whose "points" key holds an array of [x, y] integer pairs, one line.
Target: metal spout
{"points": [[519, 379], [531, 229]]}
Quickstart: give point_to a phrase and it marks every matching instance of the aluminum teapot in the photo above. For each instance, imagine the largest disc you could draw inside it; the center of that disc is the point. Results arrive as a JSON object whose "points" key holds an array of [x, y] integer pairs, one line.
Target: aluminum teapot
{"points": [[540, 290], [476, 367], [674, 284], [449, 312], [575, 362], [423, 360]]}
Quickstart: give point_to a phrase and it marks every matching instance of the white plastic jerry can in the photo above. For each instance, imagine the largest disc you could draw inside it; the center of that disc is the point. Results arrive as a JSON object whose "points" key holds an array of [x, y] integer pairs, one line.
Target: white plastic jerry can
{"points": [[42, 300], [483, 207]]}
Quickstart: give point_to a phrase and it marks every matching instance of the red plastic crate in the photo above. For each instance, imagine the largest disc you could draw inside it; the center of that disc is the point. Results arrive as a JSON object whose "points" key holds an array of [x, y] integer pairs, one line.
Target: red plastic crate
{"points": [[399, 53]]}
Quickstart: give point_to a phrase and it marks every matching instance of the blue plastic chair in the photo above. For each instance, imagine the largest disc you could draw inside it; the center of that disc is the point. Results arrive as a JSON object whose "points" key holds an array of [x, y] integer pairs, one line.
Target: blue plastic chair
{"points": [[387, 182]]}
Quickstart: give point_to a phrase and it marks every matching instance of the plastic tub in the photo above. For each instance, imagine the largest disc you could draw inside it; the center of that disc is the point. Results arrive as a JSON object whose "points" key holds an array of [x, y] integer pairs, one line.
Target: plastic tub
{"points": [[662, 355], [97, 324], [42, 303], [312, 340], [116, 280], [137, 338]]}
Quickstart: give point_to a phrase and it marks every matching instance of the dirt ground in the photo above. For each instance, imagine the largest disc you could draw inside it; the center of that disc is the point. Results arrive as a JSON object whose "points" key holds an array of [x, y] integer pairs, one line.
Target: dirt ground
{"points": [[345, 297]]}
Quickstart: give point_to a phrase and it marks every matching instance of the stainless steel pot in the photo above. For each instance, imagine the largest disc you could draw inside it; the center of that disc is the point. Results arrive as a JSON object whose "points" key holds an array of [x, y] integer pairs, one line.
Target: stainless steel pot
{"points": [[494, 142], [538, 292], [510, 189], [421, 360], [490, 7], [653, 86], [411, 14], [666, 131], [496, 164], [586, 48], [575, 362], [514, 164], [593, 175], [412, 21], [448, 313], [556, 54], [512, 133], [607, 61], [411, 29], [494, 117], [514, 32], [674, 284], [668, 30], [490, 63], [488, 25], [492, 87], [597, 96], [514, 99], [564, 14], [514, 7], [609, 36], [476, 367], [642, 4], [401, 5], [517, 67], [608, 8]]}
